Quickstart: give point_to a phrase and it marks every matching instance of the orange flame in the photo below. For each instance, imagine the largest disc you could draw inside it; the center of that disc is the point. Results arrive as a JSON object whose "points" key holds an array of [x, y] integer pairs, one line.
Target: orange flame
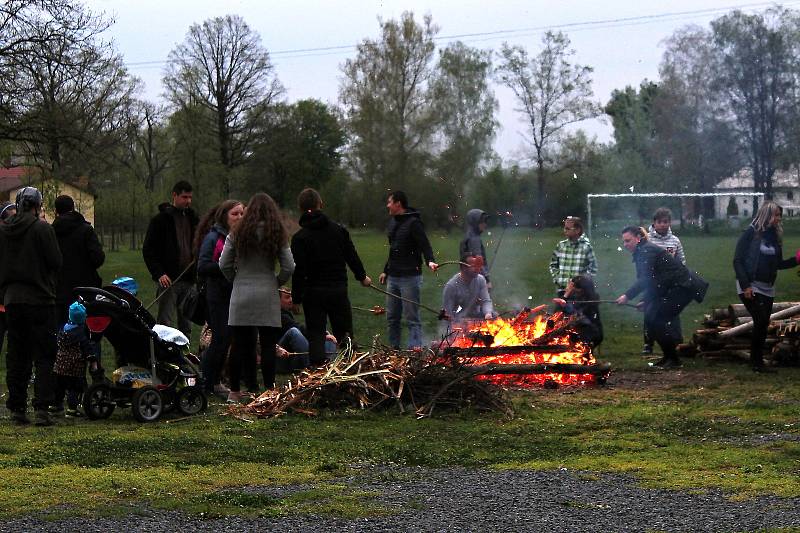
{"points": [[519, 332]]}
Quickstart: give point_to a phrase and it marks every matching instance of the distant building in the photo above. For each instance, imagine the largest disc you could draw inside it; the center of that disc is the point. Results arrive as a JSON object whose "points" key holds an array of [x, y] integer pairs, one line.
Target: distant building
{"points": [[785, 192], [12, 179]]}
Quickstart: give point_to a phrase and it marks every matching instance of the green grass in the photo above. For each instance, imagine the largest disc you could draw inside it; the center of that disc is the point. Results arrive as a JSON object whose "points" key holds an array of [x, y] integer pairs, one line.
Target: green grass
{"points": [[692, 433]]}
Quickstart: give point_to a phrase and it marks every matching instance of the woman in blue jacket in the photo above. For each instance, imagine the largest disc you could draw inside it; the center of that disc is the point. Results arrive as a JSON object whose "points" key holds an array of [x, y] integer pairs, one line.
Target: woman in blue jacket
{"points": [[222, 219], [758, 257]]}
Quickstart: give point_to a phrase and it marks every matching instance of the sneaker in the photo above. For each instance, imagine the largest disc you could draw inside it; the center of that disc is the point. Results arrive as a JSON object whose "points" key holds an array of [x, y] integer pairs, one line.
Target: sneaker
{"points": [[73, 413], [19, 418], [647, 349], [666, 364], [43, 418]]}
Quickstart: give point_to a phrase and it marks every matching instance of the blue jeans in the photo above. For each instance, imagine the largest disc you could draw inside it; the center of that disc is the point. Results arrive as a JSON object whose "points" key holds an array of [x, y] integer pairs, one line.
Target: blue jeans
{"points": [[408, 287], [294, 341]]}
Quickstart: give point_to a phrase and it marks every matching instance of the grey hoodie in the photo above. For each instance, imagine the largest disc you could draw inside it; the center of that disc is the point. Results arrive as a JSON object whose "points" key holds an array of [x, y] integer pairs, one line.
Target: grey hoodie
{"points": [[472, 244]]}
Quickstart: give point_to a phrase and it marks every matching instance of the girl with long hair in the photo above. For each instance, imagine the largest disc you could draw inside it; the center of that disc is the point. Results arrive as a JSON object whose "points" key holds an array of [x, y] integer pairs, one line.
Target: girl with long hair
{"points": [[248, 260], [758, 257], [580, 299], [212, 231]]}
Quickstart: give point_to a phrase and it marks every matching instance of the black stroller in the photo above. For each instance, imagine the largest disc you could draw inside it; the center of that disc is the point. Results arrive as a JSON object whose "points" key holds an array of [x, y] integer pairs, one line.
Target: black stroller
{"points": [[155, 374]]}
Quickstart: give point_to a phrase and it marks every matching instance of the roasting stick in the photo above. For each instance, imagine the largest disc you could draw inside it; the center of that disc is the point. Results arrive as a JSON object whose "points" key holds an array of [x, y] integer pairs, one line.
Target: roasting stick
{"points": [[387, 293], [603, 302], [453, 263], [375, 310]]}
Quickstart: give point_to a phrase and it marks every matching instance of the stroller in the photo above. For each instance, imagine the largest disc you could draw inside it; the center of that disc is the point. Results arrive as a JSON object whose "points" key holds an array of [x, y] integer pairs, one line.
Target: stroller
{"points": [[156, 373]]}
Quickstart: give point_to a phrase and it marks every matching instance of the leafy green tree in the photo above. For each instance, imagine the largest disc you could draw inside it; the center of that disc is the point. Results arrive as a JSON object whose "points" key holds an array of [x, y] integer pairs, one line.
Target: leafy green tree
{"points": [[299, 146], [389, 109], [222, 66], [552, 93], [754, 72], [466, 125]]}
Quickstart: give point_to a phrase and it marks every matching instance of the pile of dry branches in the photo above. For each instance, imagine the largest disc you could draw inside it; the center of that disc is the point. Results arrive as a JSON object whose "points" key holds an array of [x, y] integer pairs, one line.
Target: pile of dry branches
{"points": [[409, 381]]}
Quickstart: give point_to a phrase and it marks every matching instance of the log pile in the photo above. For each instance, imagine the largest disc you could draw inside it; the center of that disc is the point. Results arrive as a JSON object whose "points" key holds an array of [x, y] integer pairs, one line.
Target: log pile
{"points": [[726, 335]]}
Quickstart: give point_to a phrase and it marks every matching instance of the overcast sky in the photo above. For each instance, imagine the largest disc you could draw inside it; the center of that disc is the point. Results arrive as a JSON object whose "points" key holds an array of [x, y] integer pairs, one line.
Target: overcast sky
{"points": [[620, 39]]}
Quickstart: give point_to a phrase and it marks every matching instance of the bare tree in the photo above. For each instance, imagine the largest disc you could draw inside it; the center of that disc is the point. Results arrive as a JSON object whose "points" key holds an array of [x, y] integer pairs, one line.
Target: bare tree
{"points": [[222, 66], [552, 93]]}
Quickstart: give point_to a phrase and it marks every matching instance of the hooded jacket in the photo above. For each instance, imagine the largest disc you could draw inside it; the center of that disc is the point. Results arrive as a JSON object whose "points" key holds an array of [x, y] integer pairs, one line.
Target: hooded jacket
{"points": [[81, 252], [407, 245], [30, 261], [472, 243], [160, 248], [322, 251]]}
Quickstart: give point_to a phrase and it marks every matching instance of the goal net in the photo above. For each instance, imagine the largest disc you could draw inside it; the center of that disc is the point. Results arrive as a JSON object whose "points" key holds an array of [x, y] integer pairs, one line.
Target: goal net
{"points": [[607, 214]]}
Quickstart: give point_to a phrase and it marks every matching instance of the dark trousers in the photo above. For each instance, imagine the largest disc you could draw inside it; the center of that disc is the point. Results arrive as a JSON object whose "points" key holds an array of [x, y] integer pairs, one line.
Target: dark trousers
{"points": [[31, 342], [70, 386], [662, 319], [2, 330], [319, 306], [760, 308], [243, 355], [214, 357]]}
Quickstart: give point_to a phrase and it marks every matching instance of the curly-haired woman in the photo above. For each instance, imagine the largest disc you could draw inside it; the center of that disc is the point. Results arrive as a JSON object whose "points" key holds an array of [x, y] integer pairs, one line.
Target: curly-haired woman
{"points": [[248, 259]]}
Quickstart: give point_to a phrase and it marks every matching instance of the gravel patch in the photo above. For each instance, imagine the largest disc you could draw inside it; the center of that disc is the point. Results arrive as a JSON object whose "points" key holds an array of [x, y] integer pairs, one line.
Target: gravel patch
{"points": [[457, 499]]}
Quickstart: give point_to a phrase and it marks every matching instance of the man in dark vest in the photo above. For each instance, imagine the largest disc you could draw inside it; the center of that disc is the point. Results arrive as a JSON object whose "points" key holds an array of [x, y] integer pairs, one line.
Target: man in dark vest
{"points": [[81, 251], [31, 261], [167, 252], [403, 270]]}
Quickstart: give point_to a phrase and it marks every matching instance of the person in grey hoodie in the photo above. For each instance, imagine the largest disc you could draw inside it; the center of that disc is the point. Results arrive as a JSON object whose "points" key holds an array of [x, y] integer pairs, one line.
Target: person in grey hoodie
{"points": [[472, 243], [465, 295], [31, 261]]}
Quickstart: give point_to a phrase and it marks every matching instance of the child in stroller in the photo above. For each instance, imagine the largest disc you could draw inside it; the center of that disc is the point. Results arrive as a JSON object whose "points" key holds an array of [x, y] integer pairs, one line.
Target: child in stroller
{"points": [[154, 371]]}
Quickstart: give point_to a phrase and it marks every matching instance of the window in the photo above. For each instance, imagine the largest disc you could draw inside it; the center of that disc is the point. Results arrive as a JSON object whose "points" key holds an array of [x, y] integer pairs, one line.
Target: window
{"points": [[790, 195]]}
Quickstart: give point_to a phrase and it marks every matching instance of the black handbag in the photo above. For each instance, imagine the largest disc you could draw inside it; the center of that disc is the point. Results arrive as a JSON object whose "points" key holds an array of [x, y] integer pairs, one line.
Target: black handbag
{"points": [[193, 306]]}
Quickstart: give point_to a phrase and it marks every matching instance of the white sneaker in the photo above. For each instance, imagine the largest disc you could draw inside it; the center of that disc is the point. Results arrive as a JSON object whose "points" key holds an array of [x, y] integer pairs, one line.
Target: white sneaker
{"points": [[235, 396]]}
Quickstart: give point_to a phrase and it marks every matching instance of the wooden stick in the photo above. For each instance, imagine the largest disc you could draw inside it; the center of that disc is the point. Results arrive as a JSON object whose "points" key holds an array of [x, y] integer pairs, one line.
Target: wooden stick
{"points": [[387, 293]]}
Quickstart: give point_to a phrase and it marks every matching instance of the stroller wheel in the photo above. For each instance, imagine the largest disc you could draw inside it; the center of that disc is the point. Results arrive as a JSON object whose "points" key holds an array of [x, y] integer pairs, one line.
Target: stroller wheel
{"points": [[191, 400], [97, 402], [147, 404]]}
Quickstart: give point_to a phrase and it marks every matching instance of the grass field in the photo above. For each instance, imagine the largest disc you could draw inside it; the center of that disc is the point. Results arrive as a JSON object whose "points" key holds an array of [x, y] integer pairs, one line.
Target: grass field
{"points": [[693, 429]]}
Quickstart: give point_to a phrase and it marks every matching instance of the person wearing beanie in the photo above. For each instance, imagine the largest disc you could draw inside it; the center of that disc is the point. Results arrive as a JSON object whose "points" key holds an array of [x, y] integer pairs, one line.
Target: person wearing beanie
{"points": [[7, 210], [75, 349]]}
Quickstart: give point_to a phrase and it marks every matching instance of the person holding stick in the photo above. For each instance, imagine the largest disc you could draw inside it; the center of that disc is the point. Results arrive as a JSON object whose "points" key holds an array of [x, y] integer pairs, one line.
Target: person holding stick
{"points": [[167, 252], [758, 257], [666, 286], [323, 251], [402, 272], [581, 301], [466, 294]]}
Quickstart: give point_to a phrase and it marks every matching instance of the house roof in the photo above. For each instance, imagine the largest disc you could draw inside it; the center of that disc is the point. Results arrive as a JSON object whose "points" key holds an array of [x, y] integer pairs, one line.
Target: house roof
{"points": [[12, 178], [743, 180]]}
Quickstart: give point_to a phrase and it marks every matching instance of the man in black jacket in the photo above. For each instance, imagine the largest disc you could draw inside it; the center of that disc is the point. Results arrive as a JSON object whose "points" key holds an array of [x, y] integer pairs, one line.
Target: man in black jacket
{"points": [[81, 252], [322, 251], [31, 260], [167, 252], [403, 270]]}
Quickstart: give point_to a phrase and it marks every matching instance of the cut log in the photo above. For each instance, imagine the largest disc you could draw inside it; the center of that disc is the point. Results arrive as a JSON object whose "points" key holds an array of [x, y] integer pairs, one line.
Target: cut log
{"points": [[738, 330], [736, 355], [739, 310], [720, 314], [598, 369]]}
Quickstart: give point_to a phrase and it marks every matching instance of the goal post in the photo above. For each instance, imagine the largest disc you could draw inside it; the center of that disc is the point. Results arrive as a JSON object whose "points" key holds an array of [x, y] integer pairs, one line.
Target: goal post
{"points": [[665, 195]]}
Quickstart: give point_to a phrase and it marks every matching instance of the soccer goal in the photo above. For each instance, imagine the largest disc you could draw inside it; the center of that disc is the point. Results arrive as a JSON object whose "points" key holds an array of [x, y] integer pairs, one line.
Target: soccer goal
{"points": [[611, 212]]}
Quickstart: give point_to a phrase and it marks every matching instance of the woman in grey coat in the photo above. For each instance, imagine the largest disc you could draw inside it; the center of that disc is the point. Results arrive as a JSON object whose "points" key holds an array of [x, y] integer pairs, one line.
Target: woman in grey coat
{"points": [[248, 261]]}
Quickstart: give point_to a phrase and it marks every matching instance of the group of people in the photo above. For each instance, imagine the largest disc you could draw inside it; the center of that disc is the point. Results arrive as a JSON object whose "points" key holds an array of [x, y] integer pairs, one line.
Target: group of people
{"points": [[242, 256], [46, 329]]}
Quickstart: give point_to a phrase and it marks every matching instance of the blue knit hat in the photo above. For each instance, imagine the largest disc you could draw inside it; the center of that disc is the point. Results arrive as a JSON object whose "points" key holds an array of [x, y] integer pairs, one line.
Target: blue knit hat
{"points": [[128, 284], [77, 313]]}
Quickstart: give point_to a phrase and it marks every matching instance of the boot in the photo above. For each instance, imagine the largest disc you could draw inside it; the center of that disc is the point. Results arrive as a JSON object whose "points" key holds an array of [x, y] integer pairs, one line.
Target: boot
{"points": [[19, 418], [43, 418]]}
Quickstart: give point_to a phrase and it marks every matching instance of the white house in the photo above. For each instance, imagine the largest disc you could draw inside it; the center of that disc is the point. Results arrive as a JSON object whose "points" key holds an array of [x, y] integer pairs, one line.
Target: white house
{"points": [[785, 192]]}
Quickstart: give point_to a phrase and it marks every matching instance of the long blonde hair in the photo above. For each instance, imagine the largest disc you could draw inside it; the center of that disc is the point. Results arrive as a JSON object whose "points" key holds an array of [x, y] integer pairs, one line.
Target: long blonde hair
{"points": [[763, 217]]}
